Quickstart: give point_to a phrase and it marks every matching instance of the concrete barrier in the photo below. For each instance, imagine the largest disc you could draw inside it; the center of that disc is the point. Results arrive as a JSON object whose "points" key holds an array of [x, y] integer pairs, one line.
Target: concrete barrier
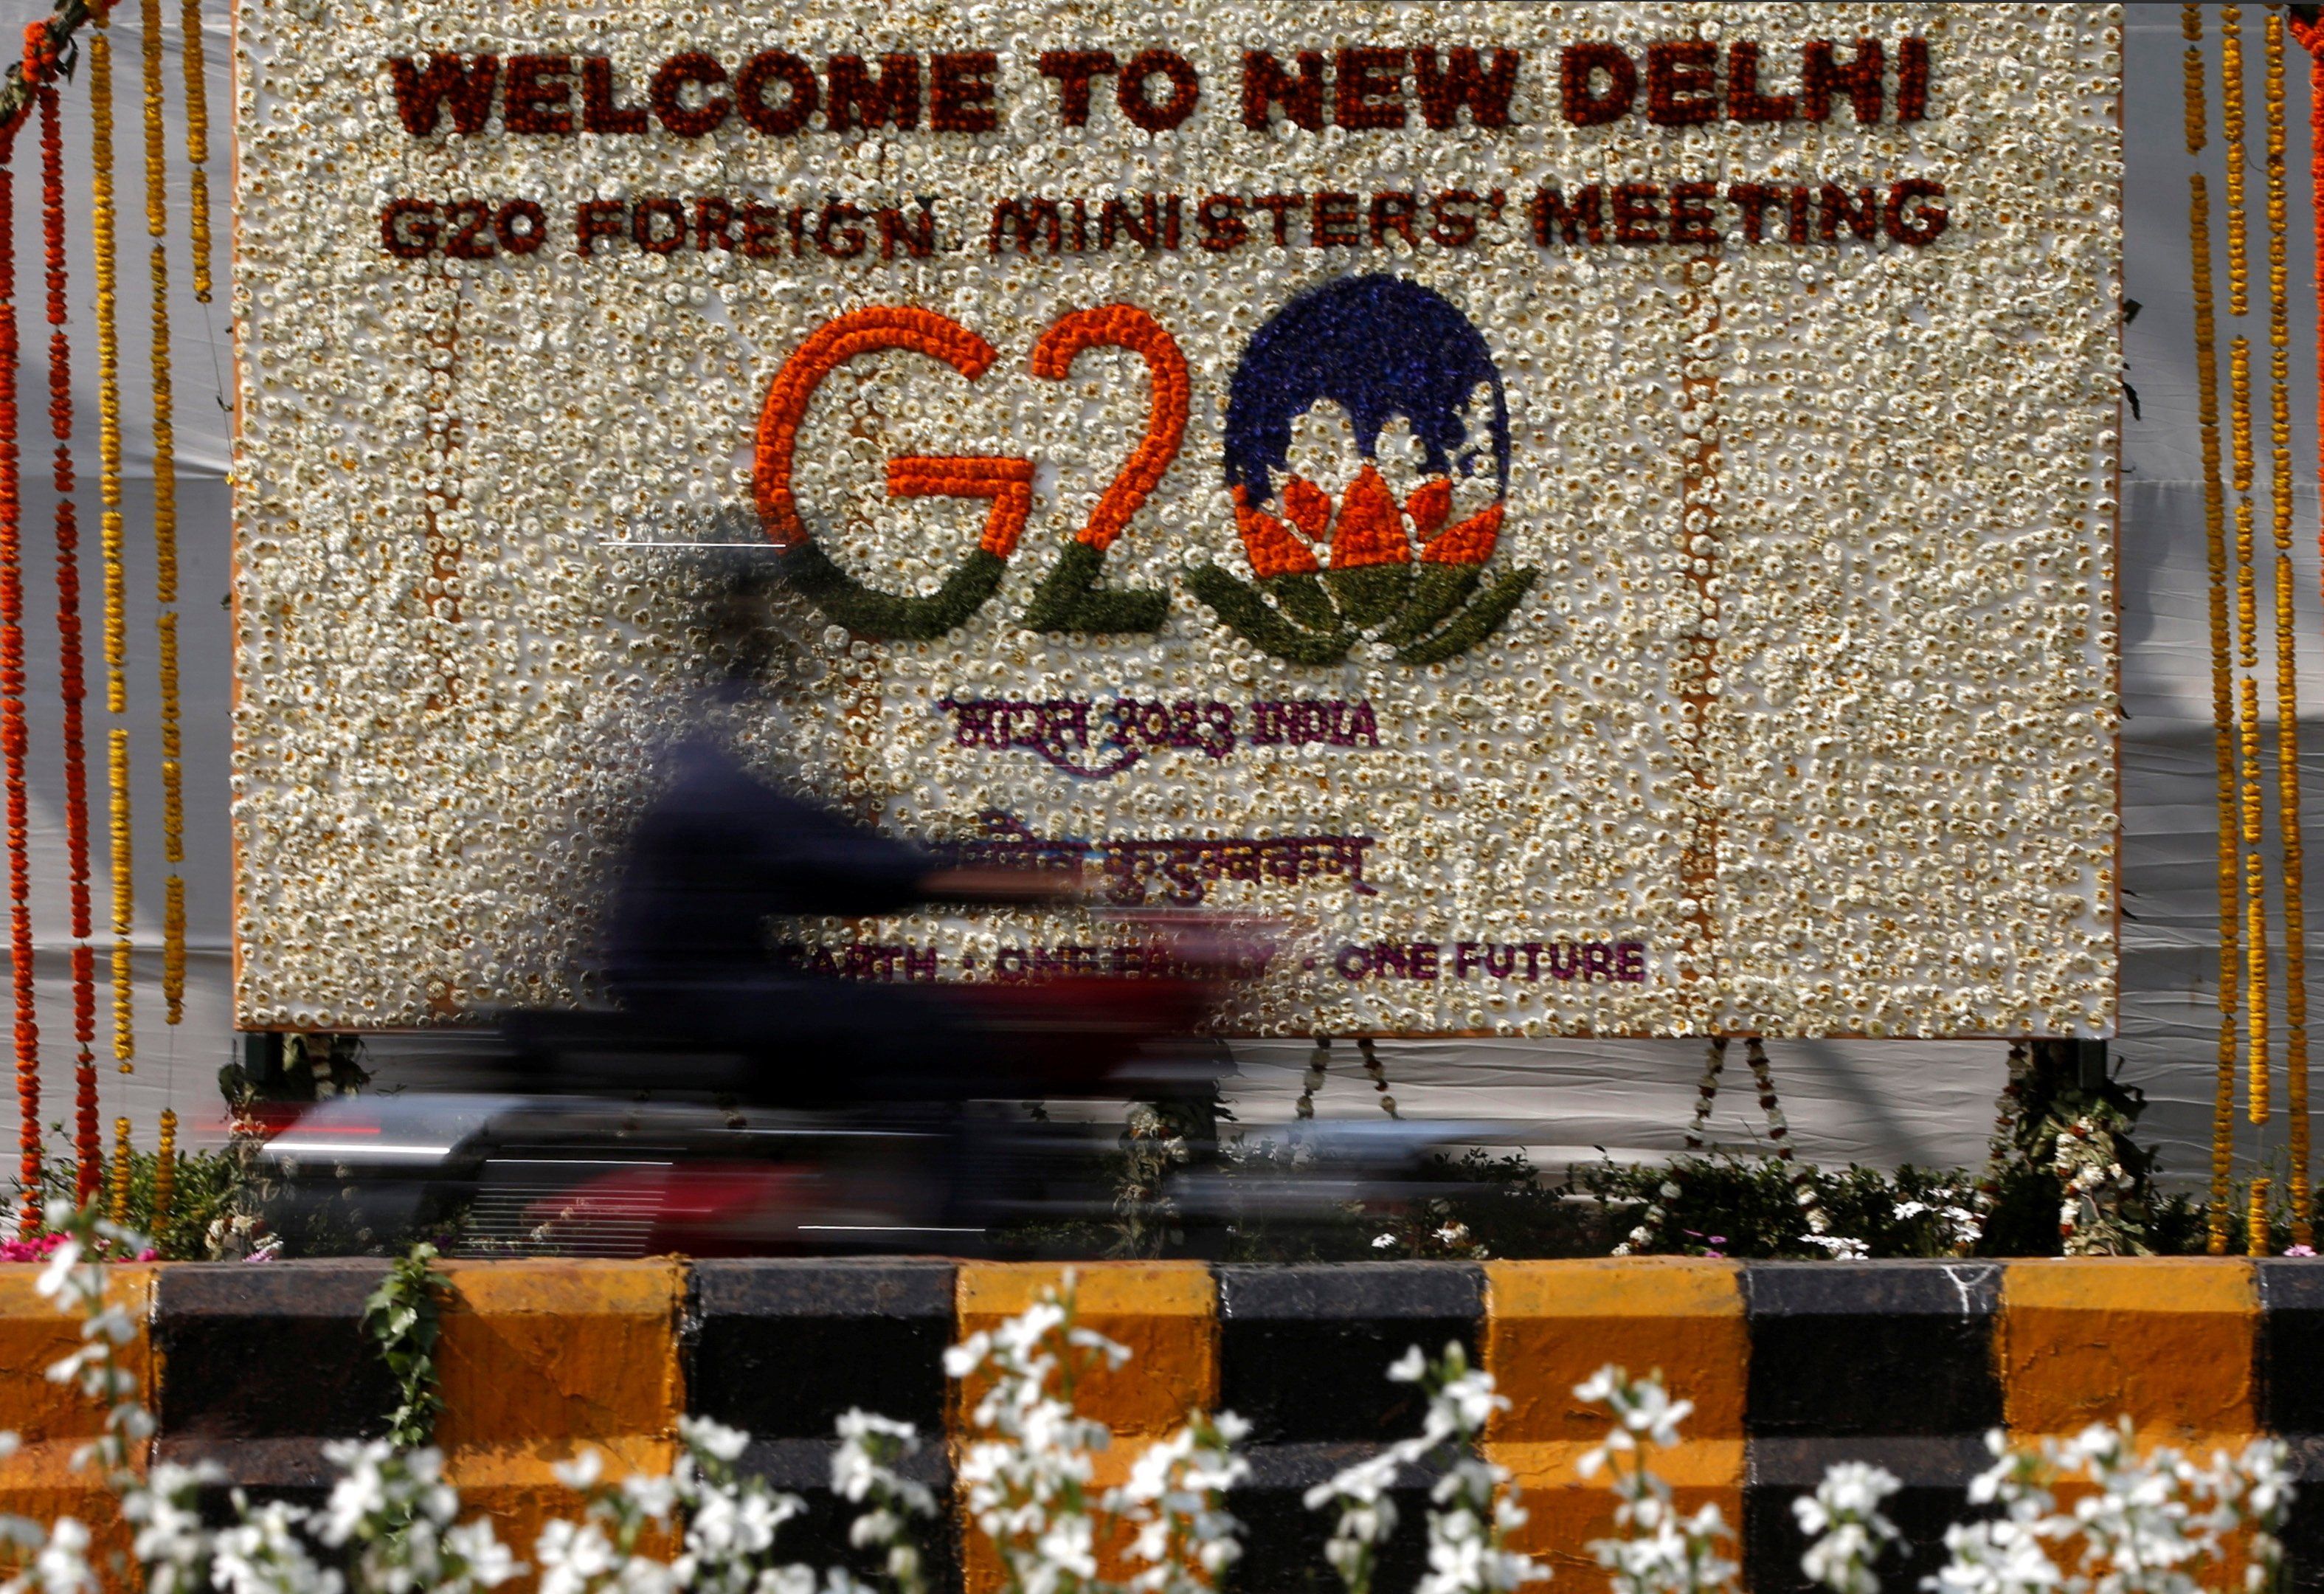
{"points": [[1551, 1325], [1791, 1366], [52, 1421], [1301, 1350]]}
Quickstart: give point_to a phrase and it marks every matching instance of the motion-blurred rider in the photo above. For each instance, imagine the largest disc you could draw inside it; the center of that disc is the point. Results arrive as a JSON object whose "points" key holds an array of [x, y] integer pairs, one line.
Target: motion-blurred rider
{"points": [[721, 850]]}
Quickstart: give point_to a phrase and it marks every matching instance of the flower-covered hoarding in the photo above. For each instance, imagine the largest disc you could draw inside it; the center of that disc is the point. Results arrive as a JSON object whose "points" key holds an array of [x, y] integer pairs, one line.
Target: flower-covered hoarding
{"points": [[1593, 518]]}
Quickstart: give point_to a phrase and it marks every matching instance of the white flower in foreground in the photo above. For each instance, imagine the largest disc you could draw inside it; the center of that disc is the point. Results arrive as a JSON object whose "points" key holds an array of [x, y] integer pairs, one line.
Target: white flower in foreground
{"points": [[1844, 1520], [1473, 1507]]}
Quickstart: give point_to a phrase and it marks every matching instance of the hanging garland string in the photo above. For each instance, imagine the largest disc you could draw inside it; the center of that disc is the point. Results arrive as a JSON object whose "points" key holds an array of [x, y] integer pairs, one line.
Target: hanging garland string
{"points": [[1318, 1060], [1779, 1131], [71, 686], [2222, 726], [2310, 36], [2251, 817], [108, 453], [165, 1173], [197, 144], [165, 528], [12, 700], [1377, 1073], [2287, 680], [118, 1197], [1706, 1092], [2231, 119]]}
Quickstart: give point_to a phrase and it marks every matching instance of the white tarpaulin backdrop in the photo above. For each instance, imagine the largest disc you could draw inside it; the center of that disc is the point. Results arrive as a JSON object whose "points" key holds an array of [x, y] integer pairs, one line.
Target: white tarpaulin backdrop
{"points": [[1872, 1102]]}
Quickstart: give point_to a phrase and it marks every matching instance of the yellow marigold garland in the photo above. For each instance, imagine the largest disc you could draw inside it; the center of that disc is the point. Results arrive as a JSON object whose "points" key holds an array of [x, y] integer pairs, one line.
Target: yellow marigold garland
{"points": [[120, 1191], [2231, 115], [198, 145], [108, 407], [165, 1174], [2254, 912], [165, 526], [2287, 681], [116, 768], [2215, 543], [2252, 817]]}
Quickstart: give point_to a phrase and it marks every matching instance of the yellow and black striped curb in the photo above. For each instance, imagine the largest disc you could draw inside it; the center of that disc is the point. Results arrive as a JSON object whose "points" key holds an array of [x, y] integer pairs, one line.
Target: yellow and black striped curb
{"points": [[1789, 1366]]}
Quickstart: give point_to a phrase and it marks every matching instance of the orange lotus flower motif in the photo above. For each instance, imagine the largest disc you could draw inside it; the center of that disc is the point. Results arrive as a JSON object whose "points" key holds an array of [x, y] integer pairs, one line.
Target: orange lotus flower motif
{"points": [[1470, 543], [1271, 549], [1370, 527], [1430, 503], [1364, 528], [1310, 508]]}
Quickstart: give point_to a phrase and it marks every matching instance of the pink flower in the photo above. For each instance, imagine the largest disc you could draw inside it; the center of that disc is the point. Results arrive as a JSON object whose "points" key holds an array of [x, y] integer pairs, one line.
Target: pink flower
{"points": [[35, 1249]]}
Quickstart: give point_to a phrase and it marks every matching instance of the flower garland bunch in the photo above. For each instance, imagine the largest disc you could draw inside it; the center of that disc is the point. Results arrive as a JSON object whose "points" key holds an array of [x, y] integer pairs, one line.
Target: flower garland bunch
{"points": [[1146, 1214], [1659, 1550], [2158, 1524], [2093, 1219], [1028, 1481], [1472, 1508]]}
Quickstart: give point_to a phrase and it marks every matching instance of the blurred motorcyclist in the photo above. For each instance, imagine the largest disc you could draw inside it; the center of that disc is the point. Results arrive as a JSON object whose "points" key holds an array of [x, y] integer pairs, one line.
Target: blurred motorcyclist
{"points": [[721, 850]]}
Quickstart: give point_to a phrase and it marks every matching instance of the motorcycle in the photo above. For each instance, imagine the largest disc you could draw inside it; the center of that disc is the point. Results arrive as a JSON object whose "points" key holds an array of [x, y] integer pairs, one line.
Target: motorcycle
{"points": [[593, 1135]]}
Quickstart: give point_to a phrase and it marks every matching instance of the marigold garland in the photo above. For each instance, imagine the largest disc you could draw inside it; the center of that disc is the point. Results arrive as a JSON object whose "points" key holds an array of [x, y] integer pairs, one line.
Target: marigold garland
{"points": [[2254, 911], [12, 698], [165, 518], [2287, 685], [72, 685], [165, 1173], [117, 767], [108, 444], [197, 144], [2223, 728], [2310, 36], [2231, 115], [2251, 818], [118, 1197]]}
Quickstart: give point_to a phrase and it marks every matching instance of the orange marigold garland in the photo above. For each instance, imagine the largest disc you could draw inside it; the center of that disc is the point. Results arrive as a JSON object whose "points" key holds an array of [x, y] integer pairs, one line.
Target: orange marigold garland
{"points": [[12, 699], [71, 686], [2223, 716], [2287, 681]]}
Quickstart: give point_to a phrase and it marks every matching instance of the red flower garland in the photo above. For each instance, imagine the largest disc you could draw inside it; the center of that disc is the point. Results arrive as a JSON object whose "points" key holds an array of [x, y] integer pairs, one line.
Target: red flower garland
{"points": [[12, 698], [88, 1142]]}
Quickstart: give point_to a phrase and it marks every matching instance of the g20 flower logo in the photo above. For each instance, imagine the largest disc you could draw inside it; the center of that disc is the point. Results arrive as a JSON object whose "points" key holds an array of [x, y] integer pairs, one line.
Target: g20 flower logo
{"points": [[1370, 410], [1369, 405]]}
